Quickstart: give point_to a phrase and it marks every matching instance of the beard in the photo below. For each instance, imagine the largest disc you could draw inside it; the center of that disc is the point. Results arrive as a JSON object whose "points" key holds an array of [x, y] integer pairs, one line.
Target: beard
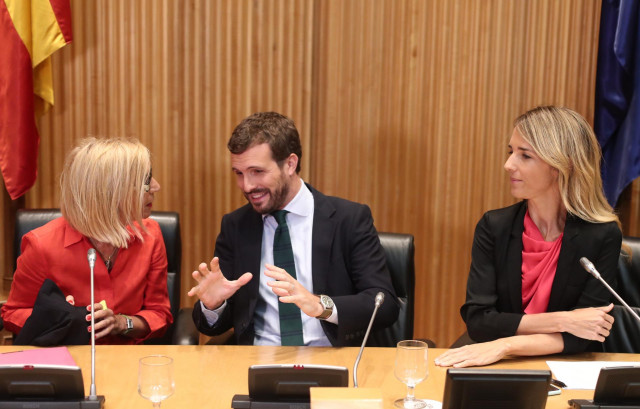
{"points": [[277, 197]]}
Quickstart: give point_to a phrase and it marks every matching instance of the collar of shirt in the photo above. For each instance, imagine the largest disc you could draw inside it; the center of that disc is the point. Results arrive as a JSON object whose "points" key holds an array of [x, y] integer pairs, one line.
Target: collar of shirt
{"points": [[300, 205]]}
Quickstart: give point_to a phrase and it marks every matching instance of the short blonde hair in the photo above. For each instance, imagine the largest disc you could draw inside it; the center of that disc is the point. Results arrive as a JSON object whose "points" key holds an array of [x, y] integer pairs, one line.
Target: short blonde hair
{"points": [[563, 139], [102, 188]]}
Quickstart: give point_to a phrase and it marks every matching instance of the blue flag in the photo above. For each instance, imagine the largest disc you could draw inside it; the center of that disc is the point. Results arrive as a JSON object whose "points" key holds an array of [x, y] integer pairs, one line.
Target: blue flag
{"points": [[617, 105]]}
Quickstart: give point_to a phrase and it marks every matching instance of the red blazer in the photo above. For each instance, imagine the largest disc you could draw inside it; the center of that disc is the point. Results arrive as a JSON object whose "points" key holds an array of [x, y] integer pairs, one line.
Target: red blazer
{"points": [[136, 285]]}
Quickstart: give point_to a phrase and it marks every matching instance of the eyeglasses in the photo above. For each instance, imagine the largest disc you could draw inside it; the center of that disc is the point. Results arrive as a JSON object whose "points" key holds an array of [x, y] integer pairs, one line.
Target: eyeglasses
{"points": [[147, 181]]}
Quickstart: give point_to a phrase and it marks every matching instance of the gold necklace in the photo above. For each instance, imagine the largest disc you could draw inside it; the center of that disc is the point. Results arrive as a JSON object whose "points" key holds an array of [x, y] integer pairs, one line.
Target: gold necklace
{"points": [[108, 262]]}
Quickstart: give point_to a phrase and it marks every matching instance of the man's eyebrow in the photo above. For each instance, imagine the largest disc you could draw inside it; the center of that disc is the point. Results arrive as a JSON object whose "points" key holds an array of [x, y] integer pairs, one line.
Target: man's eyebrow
{"points": [[249, 168]]}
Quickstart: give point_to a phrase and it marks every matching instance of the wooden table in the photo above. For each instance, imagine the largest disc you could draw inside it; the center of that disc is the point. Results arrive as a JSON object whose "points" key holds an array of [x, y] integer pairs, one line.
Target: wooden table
{"points": [[207, 376]]}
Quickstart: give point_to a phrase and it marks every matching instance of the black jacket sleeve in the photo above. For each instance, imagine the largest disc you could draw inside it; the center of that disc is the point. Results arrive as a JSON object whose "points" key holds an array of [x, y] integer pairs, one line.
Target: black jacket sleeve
{"points": [[594, 293], [224, 253], [485, 311]]}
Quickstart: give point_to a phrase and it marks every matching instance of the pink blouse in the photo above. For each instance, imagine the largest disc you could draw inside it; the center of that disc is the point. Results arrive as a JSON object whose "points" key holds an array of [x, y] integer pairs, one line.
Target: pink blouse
{"points": [[539, 263]]}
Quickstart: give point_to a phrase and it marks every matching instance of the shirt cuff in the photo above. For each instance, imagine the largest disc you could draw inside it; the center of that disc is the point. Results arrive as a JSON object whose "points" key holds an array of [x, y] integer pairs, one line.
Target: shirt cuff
{"points": [[333, 318], [212, 316]]}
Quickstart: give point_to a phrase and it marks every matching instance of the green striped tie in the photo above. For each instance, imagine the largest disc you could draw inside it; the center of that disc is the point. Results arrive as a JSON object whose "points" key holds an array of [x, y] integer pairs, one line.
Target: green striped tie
{"points": [[290, 321]]}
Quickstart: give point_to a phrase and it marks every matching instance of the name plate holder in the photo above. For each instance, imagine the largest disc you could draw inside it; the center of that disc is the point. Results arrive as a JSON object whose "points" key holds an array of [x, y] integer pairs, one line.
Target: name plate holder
{"points": [[346, 398], [287, 386]]}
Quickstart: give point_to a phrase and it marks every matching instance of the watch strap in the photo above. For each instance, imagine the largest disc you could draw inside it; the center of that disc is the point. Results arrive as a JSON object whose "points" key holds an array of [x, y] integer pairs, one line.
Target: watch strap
{"points": [[129, 322], [325, 314]]}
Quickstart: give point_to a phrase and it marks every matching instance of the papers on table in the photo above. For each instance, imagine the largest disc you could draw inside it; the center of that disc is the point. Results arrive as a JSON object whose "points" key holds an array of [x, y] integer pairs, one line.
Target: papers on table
{"points": [[584, 374], [58, 356]]}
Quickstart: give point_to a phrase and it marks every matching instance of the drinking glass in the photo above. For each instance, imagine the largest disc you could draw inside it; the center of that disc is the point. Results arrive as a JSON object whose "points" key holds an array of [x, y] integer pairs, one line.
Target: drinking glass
{"points": [[411, 368], [155, 378]]}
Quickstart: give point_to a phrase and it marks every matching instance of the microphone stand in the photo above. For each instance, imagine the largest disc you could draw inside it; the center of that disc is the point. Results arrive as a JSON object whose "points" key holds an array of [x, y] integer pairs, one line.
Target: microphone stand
{"points": [[379, 301], [93, 401], [591, 269], [91, 256]]}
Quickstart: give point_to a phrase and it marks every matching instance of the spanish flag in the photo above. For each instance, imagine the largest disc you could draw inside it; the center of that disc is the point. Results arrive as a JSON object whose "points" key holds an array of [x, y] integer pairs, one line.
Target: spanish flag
{"points": [[30, 31]]}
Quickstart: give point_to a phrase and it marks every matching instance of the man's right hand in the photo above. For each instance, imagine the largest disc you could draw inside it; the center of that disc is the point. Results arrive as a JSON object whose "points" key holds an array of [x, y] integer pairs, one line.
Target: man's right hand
{"points": [[213, 288]]}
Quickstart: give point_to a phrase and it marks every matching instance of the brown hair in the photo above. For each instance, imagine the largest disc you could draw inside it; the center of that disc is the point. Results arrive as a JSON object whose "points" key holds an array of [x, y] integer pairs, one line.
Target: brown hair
{"points": [[267, 127]]}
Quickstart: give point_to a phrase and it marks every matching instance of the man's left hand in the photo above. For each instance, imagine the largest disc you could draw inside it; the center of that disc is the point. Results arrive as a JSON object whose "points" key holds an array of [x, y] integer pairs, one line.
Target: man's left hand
{"points": [[289, 290]]}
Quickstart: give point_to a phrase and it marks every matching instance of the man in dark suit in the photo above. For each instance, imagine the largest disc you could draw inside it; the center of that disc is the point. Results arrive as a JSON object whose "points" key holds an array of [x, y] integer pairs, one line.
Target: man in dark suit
{"points": [[323, 293]]}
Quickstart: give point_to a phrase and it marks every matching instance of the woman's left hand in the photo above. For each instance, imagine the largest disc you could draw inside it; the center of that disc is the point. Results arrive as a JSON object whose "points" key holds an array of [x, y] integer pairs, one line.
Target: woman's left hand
{"points": [[105, 321], [484, 353]]}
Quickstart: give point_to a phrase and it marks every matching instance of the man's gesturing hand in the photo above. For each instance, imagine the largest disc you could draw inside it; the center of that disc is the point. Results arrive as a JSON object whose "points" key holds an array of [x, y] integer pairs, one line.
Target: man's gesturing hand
{"points": [[213, 288], [289, 290]]}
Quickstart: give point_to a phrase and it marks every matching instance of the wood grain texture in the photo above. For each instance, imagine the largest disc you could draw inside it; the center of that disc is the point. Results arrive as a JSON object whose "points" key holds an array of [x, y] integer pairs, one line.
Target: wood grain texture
{"points": [[405, 105], [415, 110], [629, 209], [178, 75], [208, 376]]}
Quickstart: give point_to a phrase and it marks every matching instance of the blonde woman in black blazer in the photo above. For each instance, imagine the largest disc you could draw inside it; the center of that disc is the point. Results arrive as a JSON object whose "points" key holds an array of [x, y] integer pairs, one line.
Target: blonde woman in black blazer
{"points": [[553, 166]]}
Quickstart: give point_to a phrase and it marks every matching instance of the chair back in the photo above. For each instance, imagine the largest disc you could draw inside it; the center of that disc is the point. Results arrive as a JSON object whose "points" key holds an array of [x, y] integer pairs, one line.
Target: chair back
{"points": [[29, 219], [625, 332], [170, 226], [629, 272], [399, 250]]}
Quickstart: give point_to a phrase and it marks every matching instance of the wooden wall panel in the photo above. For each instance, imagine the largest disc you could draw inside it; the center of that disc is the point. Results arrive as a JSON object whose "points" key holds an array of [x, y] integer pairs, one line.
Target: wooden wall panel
{"points": [[415, 102], [629, 209], [178, 75], [405, 105]]}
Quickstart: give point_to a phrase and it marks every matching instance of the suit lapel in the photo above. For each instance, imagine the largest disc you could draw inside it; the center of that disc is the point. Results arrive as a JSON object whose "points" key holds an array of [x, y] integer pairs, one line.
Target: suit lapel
{"points": [[565, 260], [322, 238], [513, 259], [250, 253]]}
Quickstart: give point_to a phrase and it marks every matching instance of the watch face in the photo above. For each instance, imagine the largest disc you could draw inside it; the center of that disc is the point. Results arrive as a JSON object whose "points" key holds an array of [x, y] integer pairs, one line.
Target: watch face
{"points": [[326, 301]]}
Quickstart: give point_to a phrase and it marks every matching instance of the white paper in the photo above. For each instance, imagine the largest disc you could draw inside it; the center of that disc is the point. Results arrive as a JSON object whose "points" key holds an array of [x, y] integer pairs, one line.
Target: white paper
{"points": [[582, 374]]}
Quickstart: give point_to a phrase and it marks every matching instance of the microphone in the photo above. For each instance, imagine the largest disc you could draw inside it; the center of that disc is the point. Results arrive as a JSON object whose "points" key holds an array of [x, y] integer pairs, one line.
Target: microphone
{"points": [[591, 269], [91, 257], [378, 302]]}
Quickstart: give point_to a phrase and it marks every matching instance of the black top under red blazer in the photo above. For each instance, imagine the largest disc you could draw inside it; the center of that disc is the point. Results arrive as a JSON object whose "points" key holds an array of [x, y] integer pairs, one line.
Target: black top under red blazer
{"points": [[348, 264], [493, 308]]}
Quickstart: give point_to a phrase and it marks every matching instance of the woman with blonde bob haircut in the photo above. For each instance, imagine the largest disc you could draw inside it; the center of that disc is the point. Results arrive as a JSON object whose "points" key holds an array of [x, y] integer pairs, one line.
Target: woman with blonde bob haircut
{"points": [[527, 293], [107, 191]]}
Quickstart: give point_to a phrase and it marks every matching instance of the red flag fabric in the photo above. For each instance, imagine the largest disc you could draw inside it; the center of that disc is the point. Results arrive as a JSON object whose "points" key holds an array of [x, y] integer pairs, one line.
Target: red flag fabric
{"points": [[30, 31]]}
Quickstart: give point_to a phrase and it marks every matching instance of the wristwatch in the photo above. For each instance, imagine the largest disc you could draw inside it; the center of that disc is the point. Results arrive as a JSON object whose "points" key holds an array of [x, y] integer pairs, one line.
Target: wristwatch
{"points": [[327, 304], [129, 322]]}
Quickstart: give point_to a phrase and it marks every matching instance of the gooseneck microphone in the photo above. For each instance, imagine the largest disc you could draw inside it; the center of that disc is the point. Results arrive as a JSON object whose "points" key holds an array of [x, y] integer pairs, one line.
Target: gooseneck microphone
{"points": [[378, 302], [588, 265], [91, 257]]}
